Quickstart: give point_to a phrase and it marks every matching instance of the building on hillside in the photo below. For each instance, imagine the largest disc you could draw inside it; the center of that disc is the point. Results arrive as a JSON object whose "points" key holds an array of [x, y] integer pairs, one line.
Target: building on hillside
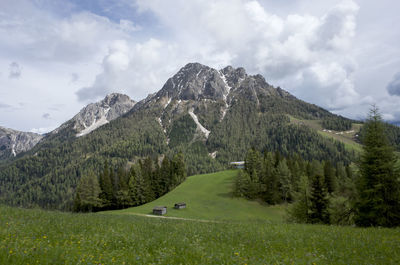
{"points": [[160, 210], [238, 164], [180, 205]]}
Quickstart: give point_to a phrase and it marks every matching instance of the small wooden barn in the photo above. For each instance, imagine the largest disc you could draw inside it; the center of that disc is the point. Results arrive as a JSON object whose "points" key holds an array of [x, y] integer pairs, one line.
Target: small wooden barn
{"points": [[160, 210], [180, 205], [238, 164]]}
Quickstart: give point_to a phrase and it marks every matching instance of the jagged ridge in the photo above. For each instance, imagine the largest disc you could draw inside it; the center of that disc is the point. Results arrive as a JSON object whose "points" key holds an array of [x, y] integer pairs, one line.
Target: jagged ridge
{"points": [[13, 142]]}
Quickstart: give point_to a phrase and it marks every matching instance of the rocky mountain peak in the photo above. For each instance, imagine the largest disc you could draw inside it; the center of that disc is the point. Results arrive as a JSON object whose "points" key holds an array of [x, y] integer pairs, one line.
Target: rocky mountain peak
{"points": [[13, 142], [194, 82], [97, 114]]}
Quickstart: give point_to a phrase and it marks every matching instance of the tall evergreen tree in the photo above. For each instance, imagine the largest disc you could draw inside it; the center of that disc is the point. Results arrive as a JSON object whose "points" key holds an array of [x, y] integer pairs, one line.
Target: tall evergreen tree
{"points": [[319, 202], [378, 191], [299, 210], [165, 175], [284, 177], [106, 186], [87, 194], [270, 180], [178, 169], [329, 177]]}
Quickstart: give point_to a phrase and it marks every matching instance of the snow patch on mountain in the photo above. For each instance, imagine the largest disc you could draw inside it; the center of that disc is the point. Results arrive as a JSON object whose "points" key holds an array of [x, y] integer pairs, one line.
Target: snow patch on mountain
{"points": [[96, 124], [225, 95], [199, 126], [13, 150]]}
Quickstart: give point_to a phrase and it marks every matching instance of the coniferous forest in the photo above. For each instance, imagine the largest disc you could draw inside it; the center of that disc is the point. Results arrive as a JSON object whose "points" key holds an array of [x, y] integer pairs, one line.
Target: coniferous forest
{"points": [[121, 188], [366, 193]]}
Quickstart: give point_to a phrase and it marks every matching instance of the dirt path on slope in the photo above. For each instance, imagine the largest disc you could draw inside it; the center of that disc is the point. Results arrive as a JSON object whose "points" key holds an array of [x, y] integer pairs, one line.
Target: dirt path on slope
{"points": [[176, 218]]}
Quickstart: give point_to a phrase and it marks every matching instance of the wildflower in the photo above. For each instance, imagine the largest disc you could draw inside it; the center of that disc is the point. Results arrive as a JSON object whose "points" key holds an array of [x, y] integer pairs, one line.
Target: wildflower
{"points": [[11, 251], [44, 237], [236, 254]]}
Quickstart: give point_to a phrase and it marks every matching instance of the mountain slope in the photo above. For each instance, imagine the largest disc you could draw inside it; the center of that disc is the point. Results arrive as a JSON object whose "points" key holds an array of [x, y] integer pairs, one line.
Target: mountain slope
{"points": [[13, 142], [210, 197], [212, 116]]}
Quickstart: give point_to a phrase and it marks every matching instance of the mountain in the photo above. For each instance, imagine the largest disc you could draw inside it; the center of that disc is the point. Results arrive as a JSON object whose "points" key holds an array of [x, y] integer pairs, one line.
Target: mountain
{"points": [[97, 114], [13, 142], [211, 116]]}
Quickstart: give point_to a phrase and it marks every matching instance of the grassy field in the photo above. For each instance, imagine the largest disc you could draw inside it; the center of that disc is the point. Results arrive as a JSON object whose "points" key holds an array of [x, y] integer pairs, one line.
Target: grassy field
{"points": [[41, 237], [210, 197]]}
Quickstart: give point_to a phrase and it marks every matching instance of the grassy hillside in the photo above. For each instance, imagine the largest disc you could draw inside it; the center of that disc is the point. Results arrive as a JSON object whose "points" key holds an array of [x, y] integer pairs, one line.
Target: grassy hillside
{"points": [[348, 138], [41, 237], [209, 197]]}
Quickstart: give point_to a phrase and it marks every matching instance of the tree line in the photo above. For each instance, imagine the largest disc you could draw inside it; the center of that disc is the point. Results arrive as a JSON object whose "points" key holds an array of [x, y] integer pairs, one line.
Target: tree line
{"points": [[276, 179], [121, 188]]}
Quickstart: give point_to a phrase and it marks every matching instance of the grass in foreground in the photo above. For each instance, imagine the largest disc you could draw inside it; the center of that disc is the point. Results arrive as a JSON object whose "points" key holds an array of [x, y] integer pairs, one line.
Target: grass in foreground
{"points": [[209, 196], [40, 237]]}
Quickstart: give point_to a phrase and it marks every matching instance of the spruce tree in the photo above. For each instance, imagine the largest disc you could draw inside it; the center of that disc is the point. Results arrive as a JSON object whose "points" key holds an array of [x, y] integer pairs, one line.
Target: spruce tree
{"points": [[329, 176], [165, 175], [87, 194], [106, 186], [270, 180], [299, 211], [378, 191], [319, 202], [284, 177]]}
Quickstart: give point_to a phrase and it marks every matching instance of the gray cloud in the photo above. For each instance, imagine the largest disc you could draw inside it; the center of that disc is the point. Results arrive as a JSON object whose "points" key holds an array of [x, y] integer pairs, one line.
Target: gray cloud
{"points": [[4, 106], [15, 70], [74, 77], [46, 116], [91, 93], [394, 86]]}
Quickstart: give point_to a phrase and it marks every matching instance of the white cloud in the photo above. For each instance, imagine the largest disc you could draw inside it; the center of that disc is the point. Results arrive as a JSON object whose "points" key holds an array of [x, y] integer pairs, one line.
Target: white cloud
{"points": [[310, 53]]}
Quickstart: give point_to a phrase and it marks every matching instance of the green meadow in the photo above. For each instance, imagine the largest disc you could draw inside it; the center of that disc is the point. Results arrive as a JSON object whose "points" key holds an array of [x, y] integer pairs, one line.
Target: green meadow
{"points": [[216, 228], [210, 197]]}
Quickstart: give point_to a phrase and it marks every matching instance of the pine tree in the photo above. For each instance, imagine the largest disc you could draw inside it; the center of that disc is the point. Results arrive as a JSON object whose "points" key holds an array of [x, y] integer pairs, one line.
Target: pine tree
{"points": [[299, 211], [87, 194], [319, 202], [138, 186], [122, 192], [178, 170], [270, 180], [147, 170], [329, 176], [165, 175], [284, 177], [253, 165], [378, 191], [106, 186]]}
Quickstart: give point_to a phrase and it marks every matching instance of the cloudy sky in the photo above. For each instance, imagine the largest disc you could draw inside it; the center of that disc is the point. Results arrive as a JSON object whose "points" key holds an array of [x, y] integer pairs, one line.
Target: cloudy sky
{"points": [[56, 56]]}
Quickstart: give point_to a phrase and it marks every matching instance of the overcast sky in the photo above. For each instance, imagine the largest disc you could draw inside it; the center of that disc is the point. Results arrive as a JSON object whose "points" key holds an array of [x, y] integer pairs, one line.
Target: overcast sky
{"points": [[56, 56]]}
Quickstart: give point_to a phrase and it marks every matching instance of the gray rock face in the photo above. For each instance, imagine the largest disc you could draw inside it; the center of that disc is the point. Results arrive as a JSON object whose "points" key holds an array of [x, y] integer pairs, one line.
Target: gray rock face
{"points": [[13, 142], [206, 94], [196, 82], [97, 114]]}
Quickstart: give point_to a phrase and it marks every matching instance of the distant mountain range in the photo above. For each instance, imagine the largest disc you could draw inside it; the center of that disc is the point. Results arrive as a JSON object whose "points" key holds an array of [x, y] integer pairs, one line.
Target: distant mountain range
{"points": [[13, 142], [211, 116]]}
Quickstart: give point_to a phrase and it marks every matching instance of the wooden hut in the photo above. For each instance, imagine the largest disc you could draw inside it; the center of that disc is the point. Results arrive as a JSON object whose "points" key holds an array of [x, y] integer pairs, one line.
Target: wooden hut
{"points": [[180, 205], [160, 210], [238, 164]]}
